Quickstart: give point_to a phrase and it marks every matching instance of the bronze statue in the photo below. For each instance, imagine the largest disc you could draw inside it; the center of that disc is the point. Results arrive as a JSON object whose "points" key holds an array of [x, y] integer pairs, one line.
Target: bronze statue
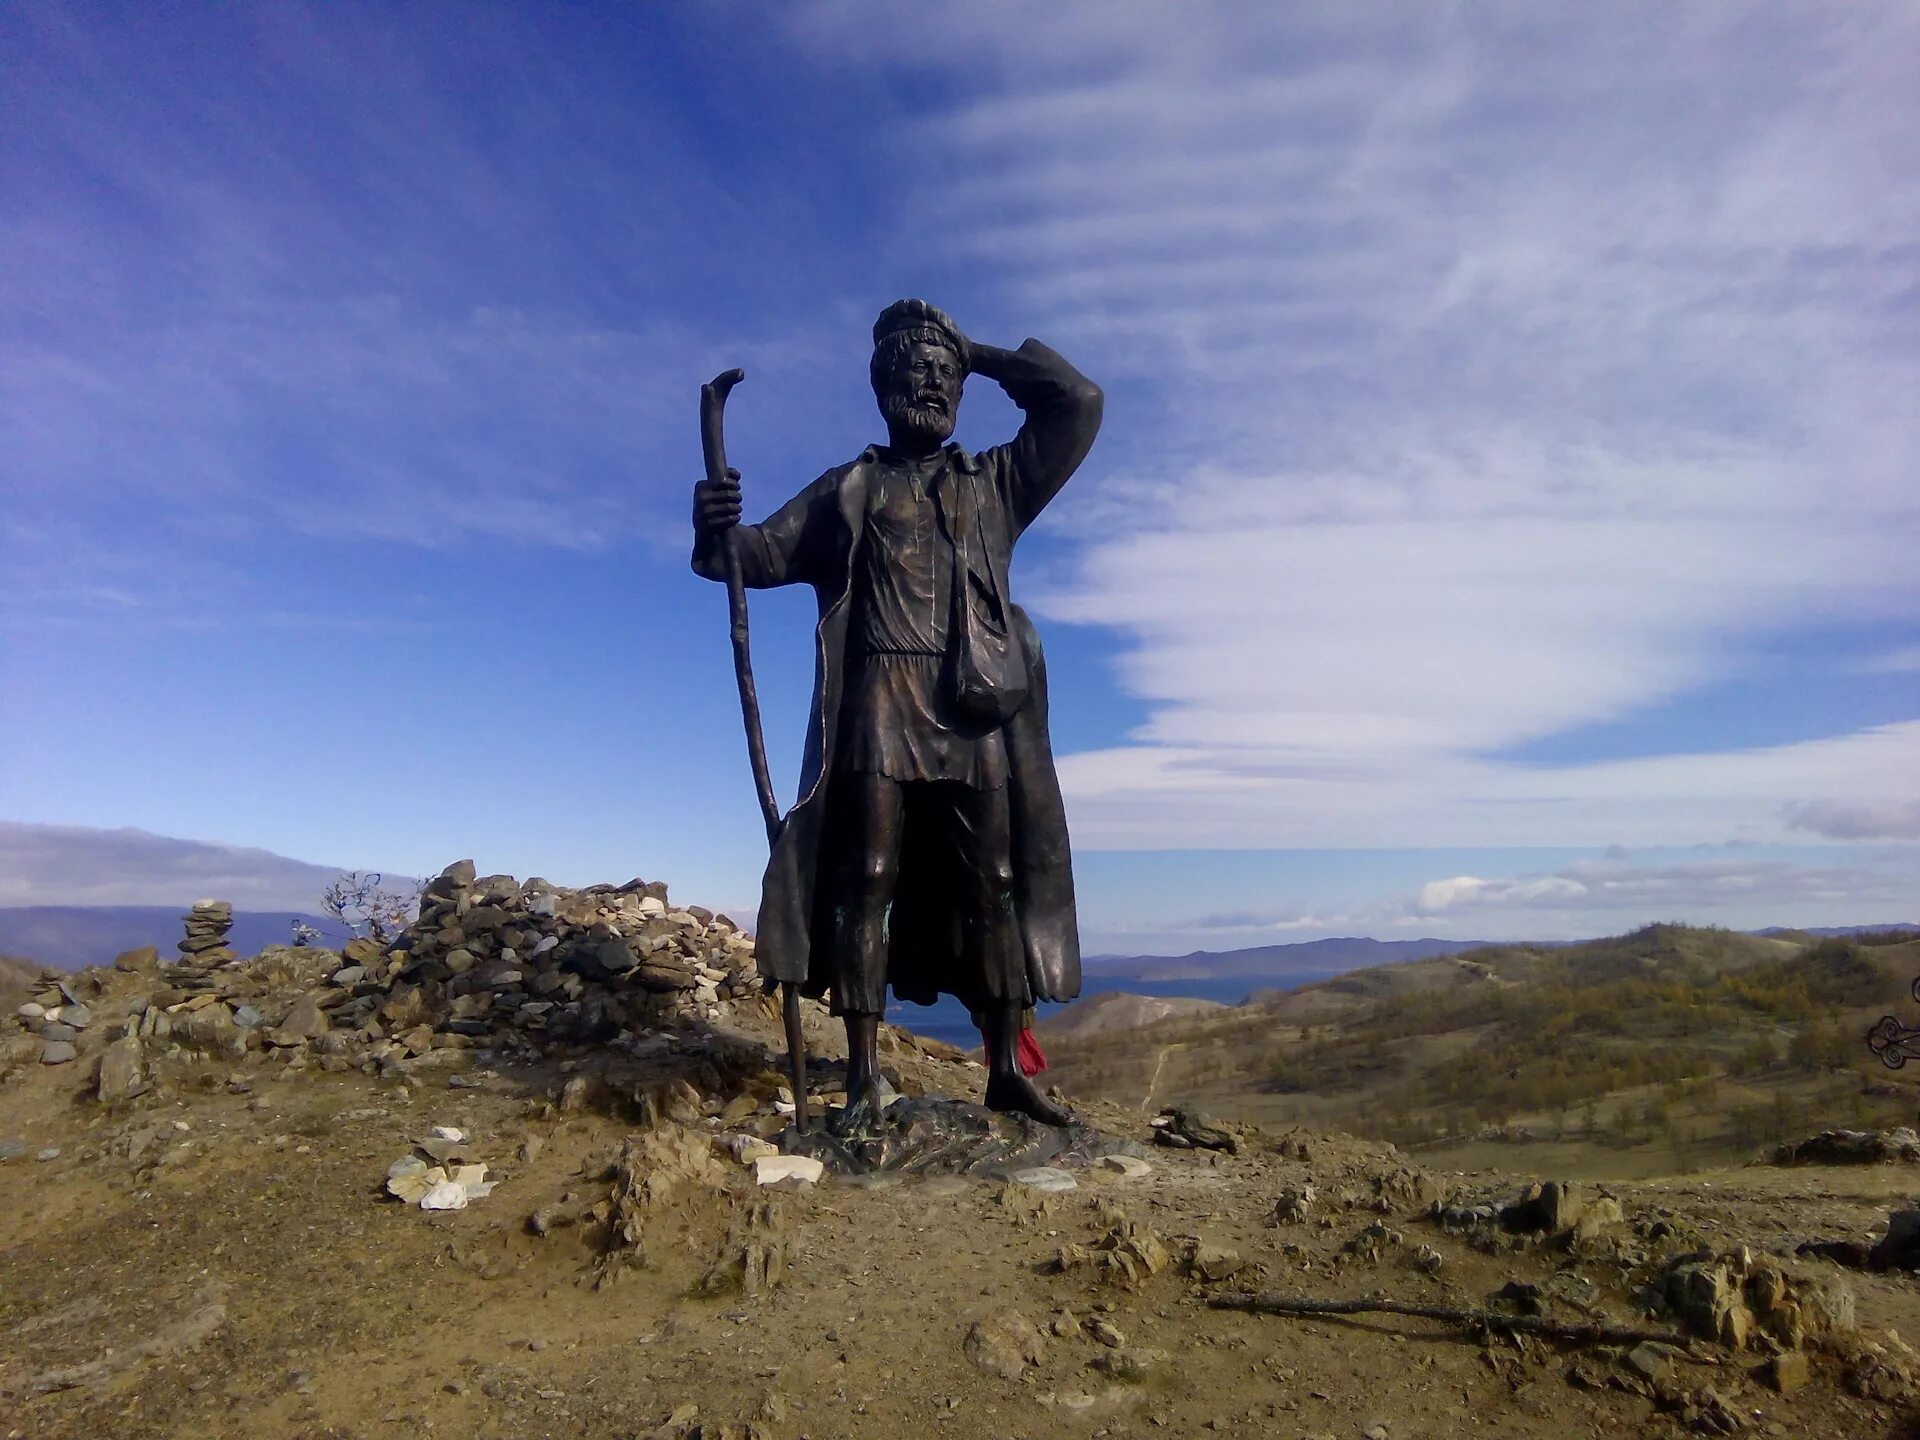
{"points": [[928, 846]]}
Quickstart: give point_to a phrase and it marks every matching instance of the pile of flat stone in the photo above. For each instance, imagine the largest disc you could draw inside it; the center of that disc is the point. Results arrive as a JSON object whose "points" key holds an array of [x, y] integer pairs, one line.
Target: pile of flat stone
{"points": [[494, 958], [491, 962], [514, 967], [207, 924], [57, 1017]]}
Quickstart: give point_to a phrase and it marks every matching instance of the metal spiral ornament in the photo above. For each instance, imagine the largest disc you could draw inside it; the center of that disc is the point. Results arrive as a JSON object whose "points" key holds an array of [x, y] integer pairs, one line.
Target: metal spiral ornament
{"points": [[1893, 1042]]}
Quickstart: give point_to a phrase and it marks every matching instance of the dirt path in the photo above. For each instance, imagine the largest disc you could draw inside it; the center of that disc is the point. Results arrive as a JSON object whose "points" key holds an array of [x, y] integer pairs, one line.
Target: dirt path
{"points": [[1159, 1066]]}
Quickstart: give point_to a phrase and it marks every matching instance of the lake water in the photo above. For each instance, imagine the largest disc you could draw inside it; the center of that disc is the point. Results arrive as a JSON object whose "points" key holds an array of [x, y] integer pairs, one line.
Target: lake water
{"points": [[948, 1020]]}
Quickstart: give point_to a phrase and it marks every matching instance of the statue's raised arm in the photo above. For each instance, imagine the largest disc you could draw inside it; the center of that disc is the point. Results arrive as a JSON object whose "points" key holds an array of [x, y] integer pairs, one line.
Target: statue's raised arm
{"points": [[1062, 409]]}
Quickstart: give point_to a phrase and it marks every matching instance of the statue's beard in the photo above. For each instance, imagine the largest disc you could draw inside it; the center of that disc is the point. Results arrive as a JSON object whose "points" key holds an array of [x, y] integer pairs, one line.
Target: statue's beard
{"points": [[912, 421]]}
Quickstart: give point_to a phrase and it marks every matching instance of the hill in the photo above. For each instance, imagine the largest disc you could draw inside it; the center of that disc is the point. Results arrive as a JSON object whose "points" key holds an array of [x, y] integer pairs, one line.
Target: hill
{"points": [[1290, 964], [1116, 1011], [70, 936], [1679, 1044], [219, 1220]]}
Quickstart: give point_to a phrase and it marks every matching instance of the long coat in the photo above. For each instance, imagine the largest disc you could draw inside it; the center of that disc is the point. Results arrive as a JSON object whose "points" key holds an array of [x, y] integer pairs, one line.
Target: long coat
{"points": [[815, 539]]}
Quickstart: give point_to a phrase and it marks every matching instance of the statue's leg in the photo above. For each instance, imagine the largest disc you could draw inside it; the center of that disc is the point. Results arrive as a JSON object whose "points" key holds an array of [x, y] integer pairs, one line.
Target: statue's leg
{"points": [[983, 834], [1008, 1087], [874, 821]]}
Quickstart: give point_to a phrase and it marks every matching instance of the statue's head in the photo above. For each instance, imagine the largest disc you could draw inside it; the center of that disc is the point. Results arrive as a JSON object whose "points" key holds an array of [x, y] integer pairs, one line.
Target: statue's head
{"points": [[918, 370]]}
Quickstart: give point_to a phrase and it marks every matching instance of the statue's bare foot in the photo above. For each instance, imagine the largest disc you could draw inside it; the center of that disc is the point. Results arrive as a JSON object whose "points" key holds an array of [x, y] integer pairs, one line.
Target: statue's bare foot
{"points": [[862, 1114], [1016, 1093]]}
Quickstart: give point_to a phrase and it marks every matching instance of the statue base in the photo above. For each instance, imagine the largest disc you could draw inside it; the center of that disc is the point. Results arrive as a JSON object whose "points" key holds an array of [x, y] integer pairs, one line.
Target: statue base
{"points": [[929, 1135]]}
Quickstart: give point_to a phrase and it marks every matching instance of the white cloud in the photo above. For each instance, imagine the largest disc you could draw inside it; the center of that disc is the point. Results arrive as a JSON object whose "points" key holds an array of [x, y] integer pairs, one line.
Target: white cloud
{"points": [[1465, 891], [80, 865], [1632, 894], [1512, 373], [1861, 820]]}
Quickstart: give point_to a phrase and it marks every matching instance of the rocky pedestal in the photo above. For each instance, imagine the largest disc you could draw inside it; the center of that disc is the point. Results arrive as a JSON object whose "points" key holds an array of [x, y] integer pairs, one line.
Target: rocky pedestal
{"points": [[205, 942], [932, 1135]]}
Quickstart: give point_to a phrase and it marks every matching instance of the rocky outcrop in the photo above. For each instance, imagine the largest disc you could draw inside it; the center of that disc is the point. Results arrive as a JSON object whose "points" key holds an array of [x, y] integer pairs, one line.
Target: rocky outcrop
{"points": [[1899, 1146], [1737, 1298]]}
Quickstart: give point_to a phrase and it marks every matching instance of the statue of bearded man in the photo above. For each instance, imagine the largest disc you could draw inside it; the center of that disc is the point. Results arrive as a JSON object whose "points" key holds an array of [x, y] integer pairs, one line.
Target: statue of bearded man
{"points": [[928, 847]]}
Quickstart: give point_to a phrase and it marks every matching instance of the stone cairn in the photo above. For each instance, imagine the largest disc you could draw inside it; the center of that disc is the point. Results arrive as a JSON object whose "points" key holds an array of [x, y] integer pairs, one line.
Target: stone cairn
{"points": [[207, 925], [517, 969], [493, 957], [490, 962]]}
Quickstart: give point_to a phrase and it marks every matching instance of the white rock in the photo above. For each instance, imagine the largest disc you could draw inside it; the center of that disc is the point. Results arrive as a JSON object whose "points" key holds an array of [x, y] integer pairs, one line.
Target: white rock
{"points": [[1131, 1166], [444, 1196], [652, 905], [415, 1186], [31, 1011], [473, 1180], [1045, 1177], [411, 1179], [746, 1148], [772, 1169], [450, 1132], [547, 942]]}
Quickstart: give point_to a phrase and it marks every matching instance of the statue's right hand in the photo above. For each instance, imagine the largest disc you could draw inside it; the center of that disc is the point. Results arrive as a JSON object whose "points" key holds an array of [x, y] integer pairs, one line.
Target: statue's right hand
{"points": [[716, 504]]}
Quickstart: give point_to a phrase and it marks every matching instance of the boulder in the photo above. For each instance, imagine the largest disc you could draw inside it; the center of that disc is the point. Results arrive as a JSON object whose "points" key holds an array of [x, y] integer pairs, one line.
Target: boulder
{"points": [[772, 1169], [1785, 1373], [1852, 1147], [1703, 1293], [361, 950], [144, 960], [1549, 1208], [1187, 1129], [1004, 1345], [305, 1019], [1211, 1263], [119, 1072], [1898, 1249]]}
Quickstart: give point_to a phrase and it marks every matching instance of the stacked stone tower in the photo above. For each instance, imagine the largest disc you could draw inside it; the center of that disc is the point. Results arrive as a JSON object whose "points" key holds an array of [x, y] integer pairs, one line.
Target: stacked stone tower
{"points": [[207, 925]]}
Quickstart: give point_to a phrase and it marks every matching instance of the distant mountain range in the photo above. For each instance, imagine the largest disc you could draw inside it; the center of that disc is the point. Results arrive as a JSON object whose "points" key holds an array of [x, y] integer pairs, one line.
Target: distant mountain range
{"points": [[1824, 932], [1301, 961], [70, 937]]}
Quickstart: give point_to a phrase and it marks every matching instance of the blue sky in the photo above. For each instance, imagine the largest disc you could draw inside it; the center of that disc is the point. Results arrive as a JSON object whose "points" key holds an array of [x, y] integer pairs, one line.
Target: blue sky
{"points": [[1503, 523]]}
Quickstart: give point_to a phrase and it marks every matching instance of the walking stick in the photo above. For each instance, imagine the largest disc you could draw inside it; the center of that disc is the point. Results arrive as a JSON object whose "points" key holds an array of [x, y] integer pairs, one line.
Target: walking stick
{"points": [[713, 403]]}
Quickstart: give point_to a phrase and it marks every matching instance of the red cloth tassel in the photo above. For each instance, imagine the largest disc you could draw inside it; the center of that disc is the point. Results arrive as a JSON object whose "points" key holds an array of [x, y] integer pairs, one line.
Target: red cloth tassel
{"points": [[1031, 1057]]}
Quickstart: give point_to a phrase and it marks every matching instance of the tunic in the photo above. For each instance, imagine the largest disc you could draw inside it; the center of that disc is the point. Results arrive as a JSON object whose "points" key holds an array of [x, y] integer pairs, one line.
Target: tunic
{"points": [[896, 720]]}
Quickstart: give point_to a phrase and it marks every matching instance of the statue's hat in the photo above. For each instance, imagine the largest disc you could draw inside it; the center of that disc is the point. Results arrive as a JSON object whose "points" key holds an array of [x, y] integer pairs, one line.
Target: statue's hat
{"points": [[920, 321]]}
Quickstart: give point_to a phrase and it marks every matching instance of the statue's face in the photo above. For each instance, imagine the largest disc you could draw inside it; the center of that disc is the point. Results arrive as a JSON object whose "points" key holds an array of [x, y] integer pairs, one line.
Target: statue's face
{"points": [[922, 395]]}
